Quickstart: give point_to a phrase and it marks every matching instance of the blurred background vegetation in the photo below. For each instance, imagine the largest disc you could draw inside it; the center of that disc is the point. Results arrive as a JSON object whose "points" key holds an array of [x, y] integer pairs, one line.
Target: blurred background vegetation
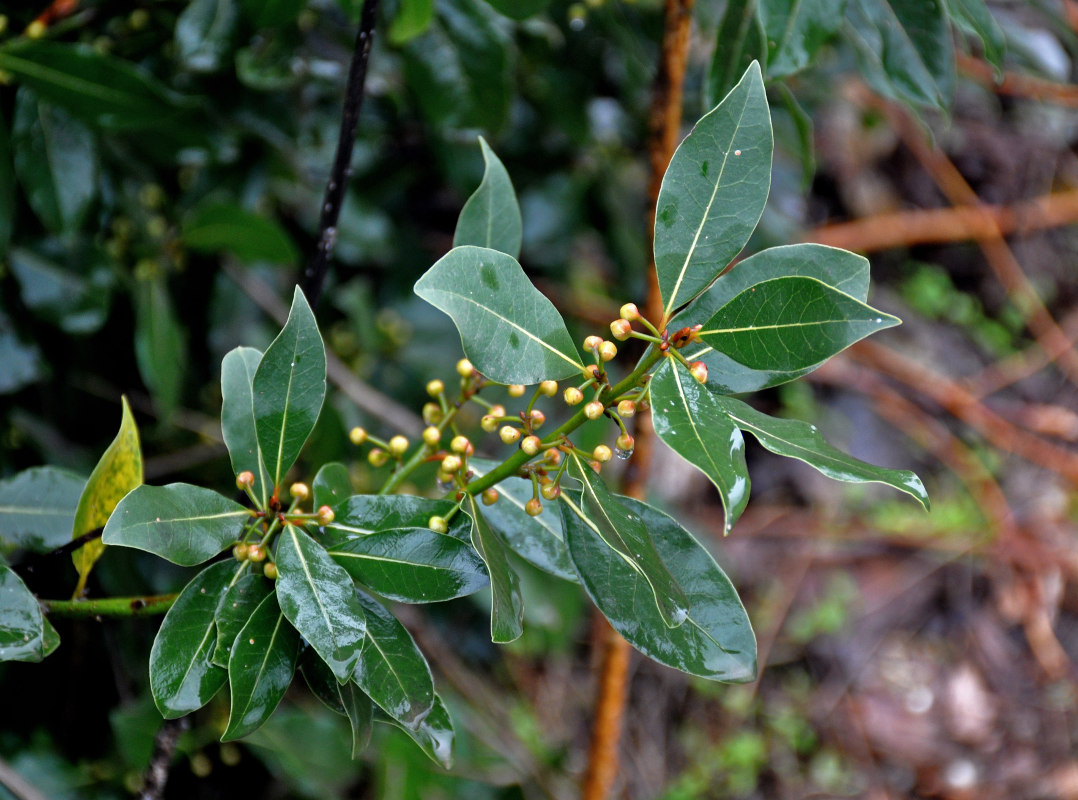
{"points": [[906, 655]]}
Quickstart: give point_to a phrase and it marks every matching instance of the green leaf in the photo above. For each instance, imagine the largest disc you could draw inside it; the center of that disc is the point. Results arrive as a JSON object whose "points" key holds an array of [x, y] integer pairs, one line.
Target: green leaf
{"points": [[623, 532], [117, 472], [50, 639], [715, 642], [22, 627], [260, 668], [392, 671], [804, 134], [289, 387], [519, 9], [510, 331], [160, 351], [690, 421], [538, 540], [272, 13], [37, 508], [795, 31], [20, 362], [460, 69], [7, 188], [840, 269], [103, 90], [184, 524], [183, 677], [204, 33], [802, 441], [412, 19], [318, 598], [507, 603], [75, 297], [362, 514], [238, 417], [236, 606], [739, 42], [412, 565], [713, 192], [347, 699], [332, 485], [974, 18], [434, 734], [491, 217], [790, 323], [905, 49], [216, 227], [56, 161]]}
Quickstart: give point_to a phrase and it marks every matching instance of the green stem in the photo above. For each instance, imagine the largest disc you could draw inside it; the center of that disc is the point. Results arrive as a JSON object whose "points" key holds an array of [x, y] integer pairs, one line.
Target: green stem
{"points": [[420, 455], [512, 465], [110, 606]]}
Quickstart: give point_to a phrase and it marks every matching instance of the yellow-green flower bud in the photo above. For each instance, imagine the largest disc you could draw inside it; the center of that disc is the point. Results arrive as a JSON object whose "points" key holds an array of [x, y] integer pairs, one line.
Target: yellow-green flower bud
{"points": [[509, 434], [465, 368], [531, 445], [533, 507], [451, 464], [459, 444], [398, 446], [593, 410], [602, 453], [626, 408], [299, 491], [435, 388], [431, 436], [490, 496], [607, 351], [515, 390], [438, 524], [377, 457], [572, 396], [548, 388], [357, 436], [620, 329]]}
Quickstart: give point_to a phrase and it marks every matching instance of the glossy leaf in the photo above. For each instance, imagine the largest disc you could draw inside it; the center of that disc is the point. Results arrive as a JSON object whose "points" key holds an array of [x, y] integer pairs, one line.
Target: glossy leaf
{"points": [[905, 49], [260, 668], [236, 607], [238, 417], [974, 17], [412, 565], [412, 19], [509, 330], [56, 161], [624, 533], [103, 90], [289, 387], [37, 508], [491, 217], [713, 192], [690, 421], [791, 323], [117, 472], [217, 227], [538, 540], [318, 598], [50, 639], [332, 485], [184, 524], [434, 734], [507, 603], [795, 31], [519, 9], [204, 32], [738, 43], [715, 642], [160, 351], [840, 269], [363, 514], [802, 441], [392, 671], [22, 634], [183, 677], [344, 698]]}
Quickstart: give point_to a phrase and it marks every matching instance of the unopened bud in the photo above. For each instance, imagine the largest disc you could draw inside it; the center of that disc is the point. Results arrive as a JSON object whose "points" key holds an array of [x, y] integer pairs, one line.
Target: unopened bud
{"points": [[432, 413], [629, 312], [489, 423], [553, 456], [435, 388], [299, 491], [438, 524], [357, 436], [548, 388], [490, 496], [325, 515], [239, 552], [245, 480], [497, 410], [699, 371], [270, 570], [537, 418], [620, 329], [515, 390], [465, 368], [451, 464], [460, 444], [593, 370], [591, 342], [593, 410], [626, 442], [398, 446], [431, 436], [531, 445], [607, 351], [626, 408], [572, 396], [533, 507], [551, 491], [509, 434], [377, 457], [602, 453], [256, 553]]}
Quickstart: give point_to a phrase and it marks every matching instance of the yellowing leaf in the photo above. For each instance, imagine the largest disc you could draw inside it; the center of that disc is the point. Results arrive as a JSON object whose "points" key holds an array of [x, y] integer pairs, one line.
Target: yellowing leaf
{"points": [[117, 473]]}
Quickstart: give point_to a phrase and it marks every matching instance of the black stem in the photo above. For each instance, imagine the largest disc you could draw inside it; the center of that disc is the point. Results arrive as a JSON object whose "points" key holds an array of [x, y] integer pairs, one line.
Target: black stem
{"points": [[315, 273], [164, 745]]}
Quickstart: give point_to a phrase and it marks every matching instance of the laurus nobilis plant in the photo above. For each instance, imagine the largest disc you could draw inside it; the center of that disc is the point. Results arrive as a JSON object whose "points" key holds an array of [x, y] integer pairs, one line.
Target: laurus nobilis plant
{"points": [[310, 567]]}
